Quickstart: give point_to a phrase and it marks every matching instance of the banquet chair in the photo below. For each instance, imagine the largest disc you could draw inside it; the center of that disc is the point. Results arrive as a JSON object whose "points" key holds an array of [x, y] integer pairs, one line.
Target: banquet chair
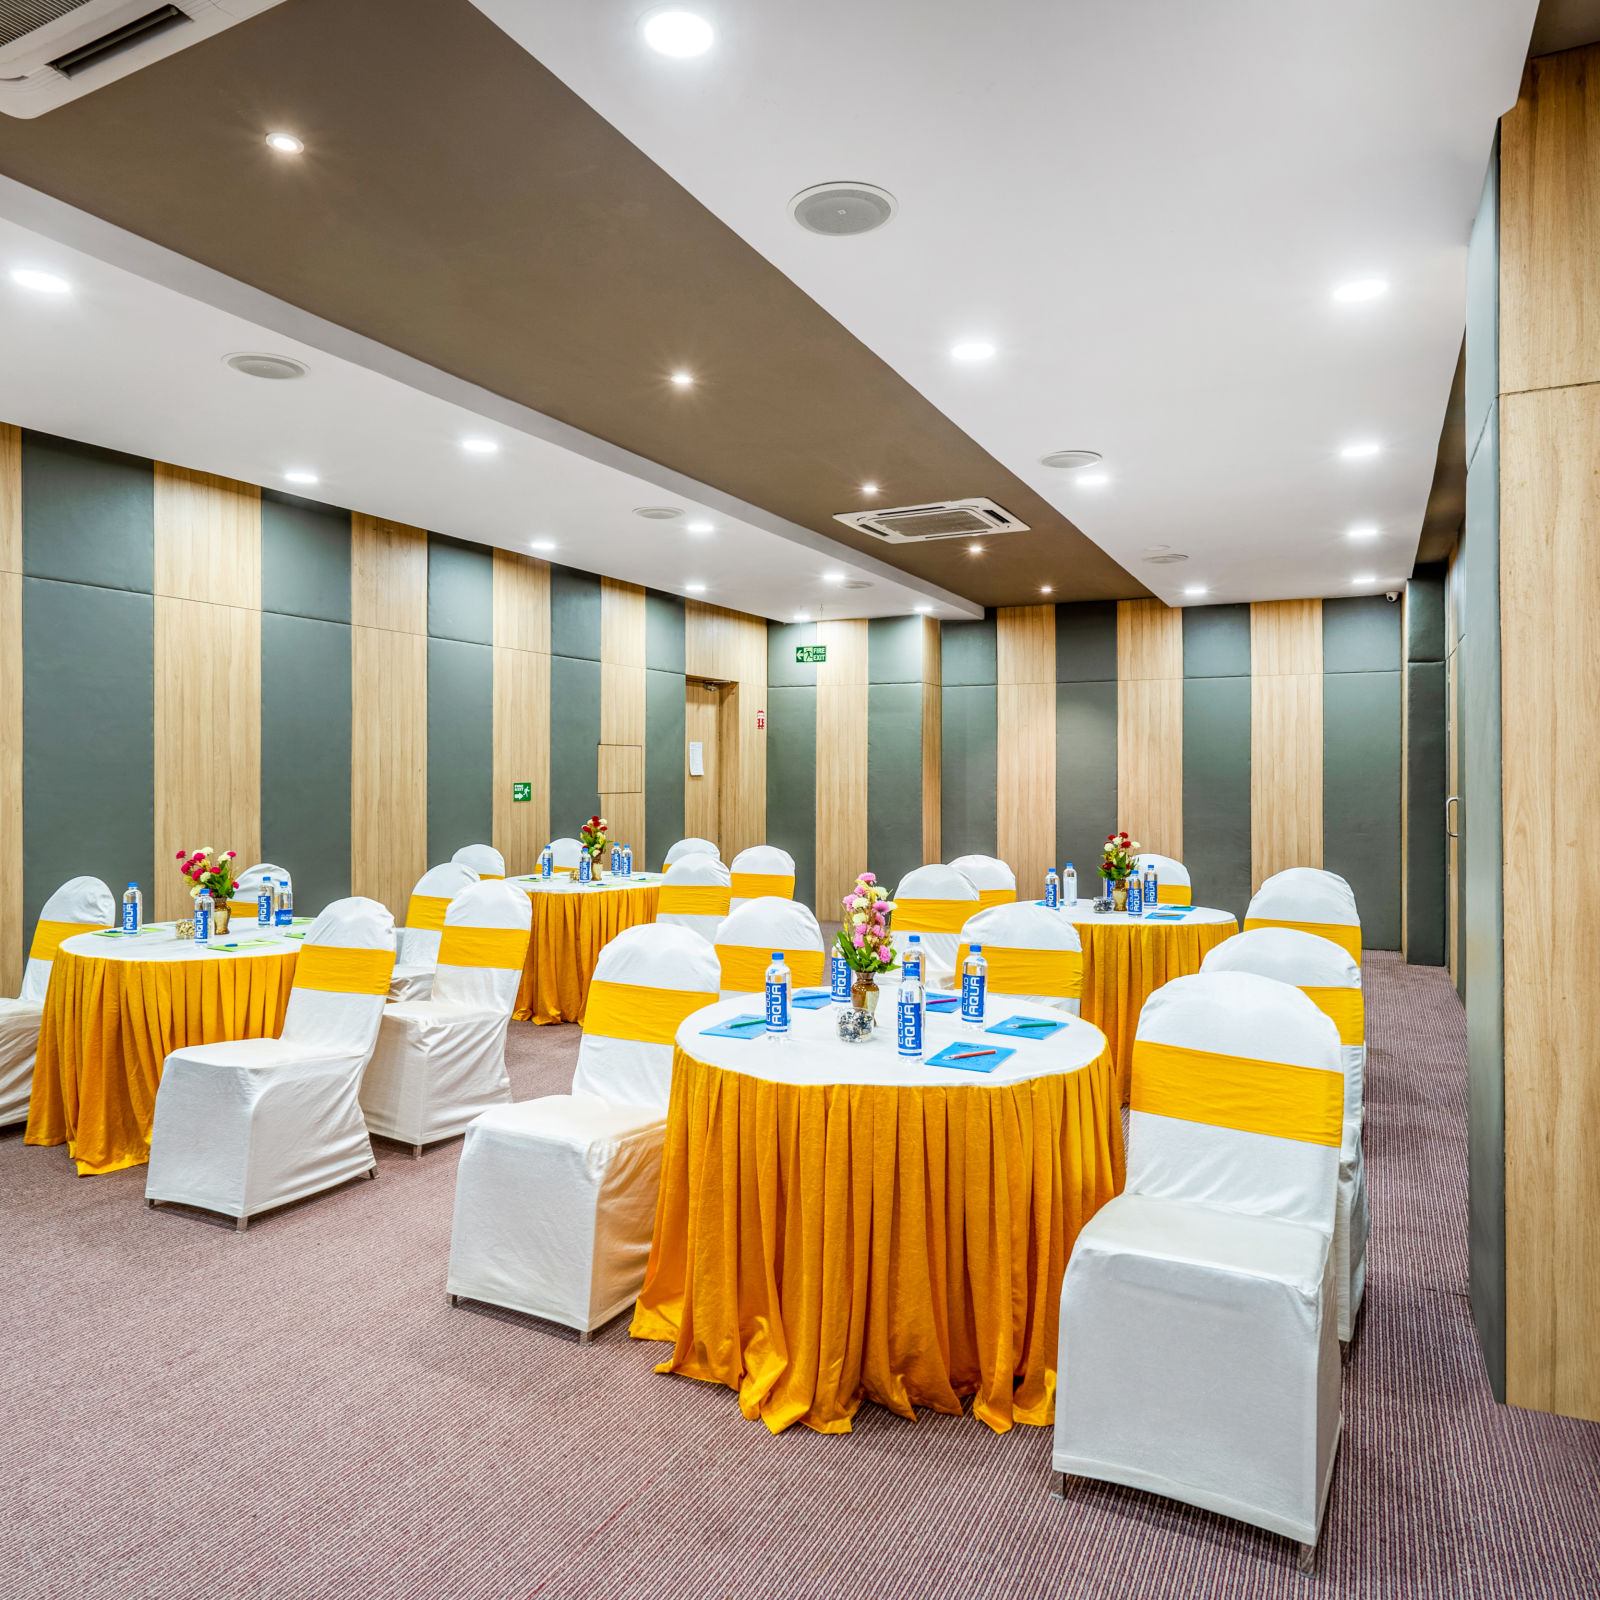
{"points": [[246, 1125], [750, 933], [1033, 954], [1331, 980], [695, 893], [439, 1062], [1309, 899], [685, 848], [995, 882], [935, 902], [1172, 879], [585, 1166], [762, 870], [80, 905], [1198, 1354], [484, 859], [418, 940], [248, 885], [565, 853]]}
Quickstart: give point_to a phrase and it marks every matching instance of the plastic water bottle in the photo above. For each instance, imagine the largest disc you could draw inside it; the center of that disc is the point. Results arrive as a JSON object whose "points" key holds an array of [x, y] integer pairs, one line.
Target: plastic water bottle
{"points": [[909, 1014], [616, 860], [839, 977], [911, 961], [777, 997], [1069, 885], [585, 867], [974, 987], [547, 862], [132, 909], [627, 861], [1152, 886], [283, 904], [1135, 896], [264, 906], [1052, 891], [202, 917]]}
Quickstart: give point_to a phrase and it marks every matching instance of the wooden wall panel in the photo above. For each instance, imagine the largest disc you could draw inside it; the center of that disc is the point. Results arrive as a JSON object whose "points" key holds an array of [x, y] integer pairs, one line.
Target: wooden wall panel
{"points": [[1550, 697], [521, 754], [522, 605], [10, 498], [731, 647], [932, 739], [389, 762], [207, 538], [1025, 771], [622, 711], [1285, 736], [11, 929], [702, 796], [1150, 724], [389, 576], [841, 763]]}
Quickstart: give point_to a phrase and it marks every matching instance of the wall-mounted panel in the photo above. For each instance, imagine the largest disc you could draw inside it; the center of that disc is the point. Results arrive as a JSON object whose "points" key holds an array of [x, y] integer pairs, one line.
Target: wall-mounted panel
{"points": [[521, 604], [792, 753], [731, 647], [968, 778], [1285, 736], [932, 739], [663, 765], [624, 628], [1216, 754], [388, 576], [88, 514], [305, 558], [1361, 765], [842, 745], [574, 740], [574, 614], [521, 755], [389, 756], [664, 630], [207, 538], [11, 933], [894, 780], [460, 746], [1150, 724], [1025, 757], [1086, 735], [460, 590]]}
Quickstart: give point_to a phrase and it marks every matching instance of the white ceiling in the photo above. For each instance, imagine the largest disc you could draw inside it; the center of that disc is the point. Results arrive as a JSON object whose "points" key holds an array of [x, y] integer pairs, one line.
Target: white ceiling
{"points": [[1144, 205], [132, 359]]}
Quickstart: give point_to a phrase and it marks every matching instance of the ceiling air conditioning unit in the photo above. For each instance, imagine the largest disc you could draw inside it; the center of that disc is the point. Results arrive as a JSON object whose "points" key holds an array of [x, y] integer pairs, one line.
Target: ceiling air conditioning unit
{"points": [[53, 51], [939, 519]]}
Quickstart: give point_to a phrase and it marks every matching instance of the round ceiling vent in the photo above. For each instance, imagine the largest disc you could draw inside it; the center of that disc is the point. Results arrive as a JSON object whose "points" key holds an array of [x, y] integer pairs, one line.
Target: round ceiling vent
{"points": [[1166, 558], [1070, 460], [254, 365], [856, 583], [658, 513], [840, 209]]}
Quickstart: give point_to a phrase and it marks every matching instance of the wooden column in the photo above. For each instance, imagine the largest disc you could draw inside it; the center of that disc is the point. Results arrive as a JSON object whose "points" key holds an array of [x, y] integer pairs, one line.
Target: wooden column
{"points": [[1150, 725], [622, 703], [1025, 771], [729, 648], [12, 933], [841, 763], [1285, 736], [521, 707], [932, 739]]}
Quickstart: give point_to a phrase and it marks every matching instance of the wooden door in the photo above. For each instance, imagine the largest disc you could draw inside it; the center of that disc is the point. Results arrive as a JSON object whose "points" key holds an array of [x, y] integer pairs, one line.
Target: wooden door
{"points": [[702, 797]]}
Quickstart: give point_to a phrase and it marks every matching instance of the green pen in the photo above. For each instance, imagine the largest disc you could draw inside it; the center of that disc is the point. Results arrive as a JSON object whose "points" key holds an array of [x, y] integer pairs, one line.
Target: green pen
{"points": [[748, 1022]]}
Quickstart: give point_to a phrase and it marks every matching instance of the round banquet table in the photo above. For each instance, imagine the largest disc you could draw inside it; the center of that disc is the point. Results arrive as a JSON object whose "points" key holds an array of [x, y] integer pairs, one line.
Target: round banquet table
{"points": [[836, 1224], [571, 921], [117, 1006], [1126, 959]]}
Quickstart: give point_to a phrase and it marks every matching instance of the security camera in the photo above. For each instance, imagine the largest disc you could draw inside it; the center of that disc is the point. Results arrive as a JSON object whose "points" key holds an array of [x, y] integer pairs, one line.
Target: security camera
{"points": [[1392, 594]]}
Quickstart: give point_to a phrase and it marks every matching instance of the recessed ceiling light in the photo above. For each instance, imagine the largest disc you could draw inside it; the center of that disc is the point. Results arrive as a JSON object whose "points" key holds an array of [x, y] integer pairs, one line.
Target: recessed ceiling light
{"points": [[300, 477], [1091, 480], [682, 380], [255, 364], [1361, 450], [43, 282], [701, 526], [1358, 289], [1363, 530], [841, 210], [869, 488], [833, 577], [1070, 460], [285, 143], [658, 513], [679, 34], [480, 447], [972, 350], [976, 549], [695, 588], [923, 611], [802, 616], [541, 544], [1362, 579], [1194, 590], [1044, 588]]}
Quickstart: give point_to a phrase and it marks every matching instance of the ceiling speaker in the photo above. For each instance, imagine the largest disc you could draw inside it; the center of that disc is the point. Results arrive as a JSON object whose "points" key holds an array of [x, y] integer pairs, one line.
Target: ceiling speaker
{"points": [[254, 365], [841, 209], [1070, 460]]}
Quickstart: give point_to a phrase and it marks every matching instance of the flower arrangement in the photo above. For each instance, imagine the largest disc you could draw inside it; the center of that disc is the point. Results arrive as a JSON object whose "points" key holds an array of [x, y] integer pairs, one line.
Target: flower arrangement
{"points": [[592, 836], [864, 939], [1119, 858], [208, 872]]}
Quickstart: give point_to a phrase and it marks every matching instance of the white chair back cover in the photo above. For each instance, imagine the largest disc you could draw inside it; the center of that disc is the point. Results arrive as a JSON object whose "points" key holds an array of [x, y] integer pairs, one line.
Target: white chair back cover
{"points": [[80, 905], [995, 882], [484, 859], [685, 848], [1263, 1025], [646, 981], [425, 911], [935, 902], [1310, 899], [346, 1017], [750, 933], [248, 885], [1031, 952], [565, 852], [696, 892], [1172, 879], [761, 870], [483, 947]]}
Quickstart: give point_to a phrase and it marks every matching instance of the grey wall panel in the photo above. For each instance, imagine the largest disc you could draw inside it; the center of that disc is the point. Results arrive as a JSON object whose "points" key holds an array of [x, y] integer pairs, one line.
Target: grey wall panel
{"points": [[1086, 775], [88, 515], [88, 738], [665, 632], [460, 746], [894, 779], [968, 769], [305, 558], [1361, 796], [967, 652], [1086, 642], [1424, 612], [1216, 787], [894, 650], [574, 620], [574, 741], [305, 754], [663, 763], [1483, 306], [1361, 635], [1216, 644], [1427, 895], [461, 591], [792, 780], [783, 671]]}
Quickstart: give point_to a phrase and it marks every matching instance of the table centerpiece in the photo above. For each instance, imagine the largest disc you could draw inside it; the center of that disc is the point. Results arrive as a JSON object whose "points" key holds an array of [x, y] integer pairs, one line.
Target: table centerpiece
{"points": [[1119, 860]]}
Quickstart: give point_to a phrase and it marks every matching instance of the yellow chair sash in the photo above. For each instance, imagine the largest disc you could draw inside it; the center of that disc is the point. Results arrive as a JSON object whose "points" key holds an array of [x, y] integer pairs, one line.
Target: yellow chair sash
{"points": [[1345, 1006], [426, 911], [744, 966], [1304, 1103], [1347, 935], [1017, 971], [1172, 894], [752, 885], [693, 900], [996, 897], [342, 969], [933, 916], [483, 947], [47, 937], [637, 1011], [490, 877]]}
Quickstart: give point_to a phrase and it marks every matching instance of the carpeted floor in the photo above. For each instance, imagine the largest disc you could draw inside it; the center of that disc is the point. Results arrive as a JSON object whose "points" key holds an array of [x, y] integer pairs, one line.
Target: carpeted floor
{"points": [[192, 1414]]}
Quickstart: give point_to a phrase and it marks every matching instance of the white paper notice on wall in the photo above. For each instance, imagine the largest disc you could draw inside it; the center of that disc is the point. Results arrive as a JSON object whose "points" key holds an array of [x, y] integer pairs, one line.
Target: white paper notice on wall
{"points": [[697, 764]]}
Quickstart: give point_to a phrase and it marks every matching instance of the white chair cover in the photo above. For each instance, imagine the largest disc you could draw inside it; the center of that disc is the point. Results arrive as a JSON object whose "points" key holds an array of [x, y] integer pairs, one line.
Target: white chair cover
{"points": [[1172, 879], [1199, 1357], [484, 859], [439, 1062], [1309, 899], [935, 903], [80, 905], [995, 882], [685, 848], [418, 940], [1332, 981], [1033, 954], [749, 934], [565, 852], [247, 887], [762, 870], [696, 893], [585, 1165], [244, 1126]]}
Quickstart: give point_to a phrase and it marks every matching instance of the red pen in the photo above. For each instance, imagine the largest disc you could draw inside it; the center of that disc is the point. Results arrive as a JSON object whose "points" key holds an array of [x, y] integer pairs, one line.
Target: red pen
{"points": [[967, 1055]]}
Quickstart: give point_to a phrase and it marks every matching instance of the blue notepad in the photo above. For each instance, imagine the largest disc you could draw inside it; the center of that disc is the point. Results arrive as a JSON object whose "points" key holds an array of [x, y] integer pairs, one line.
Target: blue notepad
{"points": [[951, 1056], [811, 999], [1165, 916], [1027, 1027], [740, 1027], [942, 1002]]}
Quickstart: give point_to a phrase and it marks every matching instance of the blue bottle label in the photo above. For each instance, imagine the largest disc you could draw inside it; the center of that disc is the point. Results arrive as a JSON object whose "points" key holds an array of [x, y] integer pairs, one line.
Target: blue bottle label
{"points": [[1052, 896], [283, 916], [202, 923], [264, 909], [130, 917], [777, 1008], [1134, 907], [839, 973], [546, 864], [910, 1026], [627, 861], [911, 966], [974, 986], [1152, 889], [585, 868]]}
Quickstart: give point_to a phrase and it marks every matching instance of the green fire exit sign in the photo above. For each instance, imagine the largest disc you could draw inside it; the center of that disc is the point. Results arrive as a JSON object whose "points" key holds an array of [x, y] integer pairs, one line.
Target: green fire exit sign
{"points": [[522, 791], [809, 654]]}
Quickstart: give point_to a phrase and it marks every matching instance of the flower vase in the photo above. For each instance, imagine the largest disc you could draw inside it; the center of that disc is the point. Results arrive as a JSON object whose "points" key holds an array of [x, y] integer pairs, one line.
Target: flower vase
{"points": [[864, 994], [1119, 895], [855, 1020], [221, 913]]}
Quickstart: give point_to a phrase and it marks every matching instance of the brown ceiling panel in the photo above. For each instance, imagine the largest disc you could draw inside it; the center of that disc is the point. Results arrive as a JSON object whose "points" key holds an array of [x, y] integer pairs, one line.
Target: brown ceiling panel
{"points": [[458, 203]]}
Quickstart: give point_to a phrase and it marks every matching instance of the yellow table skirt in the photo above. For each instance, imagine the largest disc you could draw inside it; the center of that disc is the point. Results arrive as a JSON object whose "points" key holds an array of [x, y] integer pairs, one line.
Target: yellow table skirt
{"points": [[108, 1028], [568, 931], [1124, 963], [817, 1245]]}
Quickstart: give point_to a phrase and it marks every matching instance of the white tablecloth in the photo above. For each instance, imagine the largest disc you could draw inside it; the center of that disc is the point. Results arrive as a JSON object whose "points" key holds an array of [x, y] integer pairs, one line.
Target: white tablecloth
{"points": [[562, 884], [1084, 911], [157, 941]]}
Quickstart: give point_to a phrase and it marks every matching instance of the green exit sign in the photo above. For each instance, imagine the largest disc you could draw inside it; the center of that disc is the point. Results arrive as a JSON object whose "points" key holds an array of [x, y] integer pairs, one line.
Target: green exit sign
{"points": [[522, 791], [810, 654]]}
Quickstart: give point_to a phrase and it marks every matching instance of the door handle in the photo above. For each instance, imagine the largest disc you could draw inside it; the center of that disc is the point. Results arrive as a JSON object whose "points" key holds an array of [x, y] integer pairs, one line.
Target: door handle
{"points": [[1449, 832]]}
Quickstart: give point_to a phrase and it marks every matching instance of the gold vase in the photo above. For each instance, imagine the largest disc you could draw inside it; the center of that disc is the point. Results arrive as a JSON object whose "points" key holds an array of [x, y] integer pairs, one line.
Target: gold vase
{"points": [[1119, 896], [864, 993], [221, 915]]}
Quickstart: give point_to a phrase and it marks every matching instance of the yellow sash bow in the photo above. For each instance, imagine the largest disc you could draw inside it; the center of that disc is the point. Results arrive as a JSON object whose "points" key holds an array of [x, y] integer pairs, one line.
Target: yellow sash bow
{"points": [[1347, 935], [637, 1011], [1017, 971], [426, 911], [342, 969], [693, 900], [1304, 1103], [1346, 1008], [744, 966], [933, 916], [47, 937], [506, 948], [752, 885]]}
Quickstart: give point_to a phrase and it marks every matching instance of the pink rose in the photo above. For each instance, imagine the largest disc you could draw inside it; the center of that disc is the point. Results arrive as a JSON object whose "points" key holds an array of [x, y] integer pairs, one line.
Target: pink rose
{"points": [[181, 855], [860, 938], [868, 877]]}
